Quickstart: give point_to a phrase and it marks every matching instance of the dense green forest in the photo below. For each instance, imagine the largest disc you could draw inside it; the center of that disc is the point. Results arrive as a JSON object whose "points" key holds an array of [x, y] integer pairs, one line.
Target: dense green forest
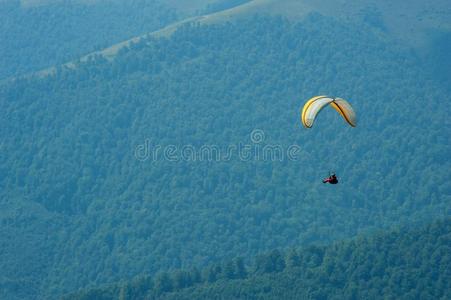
{"points": [[400, 264], [38, 37], [80, 207]]}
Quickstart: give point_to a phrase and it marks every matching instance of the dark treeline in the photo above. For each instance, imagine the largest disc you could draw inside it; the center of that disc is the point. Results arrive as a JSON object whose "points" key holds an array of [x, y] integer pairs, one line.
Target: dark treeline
{"points": [[81, 206], [402, 264]]}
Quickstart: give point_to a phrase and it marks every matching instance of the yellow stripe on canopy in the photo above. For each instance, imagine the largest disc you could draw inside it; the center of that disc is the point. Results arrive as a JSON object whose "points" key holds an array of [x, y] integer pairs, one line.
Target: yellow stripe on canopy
{"points": [[313, 106], [307, 109], [345, 110]]}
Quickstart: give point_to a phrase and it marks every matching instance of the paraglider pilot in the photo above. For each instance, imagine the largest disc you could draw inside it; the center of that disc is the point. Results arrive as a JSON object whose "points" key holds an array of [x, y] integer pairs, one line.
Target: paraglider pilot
{"points": [[332, 179]]}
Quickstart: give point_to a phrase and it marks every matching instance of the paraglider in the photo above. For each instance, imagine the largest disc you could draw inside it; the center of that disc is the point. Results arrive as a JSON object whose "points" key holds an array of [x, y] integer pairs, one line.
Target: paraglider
{"points": [[312, 108]]}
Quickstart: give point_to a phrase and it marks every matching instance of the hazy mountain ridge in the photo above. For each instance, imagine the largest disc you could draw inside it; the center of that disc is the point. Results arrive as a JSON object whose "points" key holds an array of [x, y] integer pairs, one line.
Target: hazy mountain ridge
{"points": [[414, 24], [49, 35]]}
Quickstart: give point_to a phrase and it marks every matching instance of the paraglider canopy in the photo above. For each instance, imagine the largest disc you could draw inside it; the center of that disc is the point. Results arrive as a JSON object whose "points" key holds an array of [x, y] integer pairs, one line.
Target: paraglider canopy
{"points": [[313, 106]]}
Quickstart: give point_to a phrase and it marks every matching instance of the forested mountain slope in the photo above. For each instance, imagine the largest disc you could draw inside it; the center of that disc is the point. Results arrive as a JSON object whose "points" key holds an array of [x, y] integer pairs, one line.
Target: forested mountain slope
{"points": [[71, 160], [40, 35], [416, 24], [423, 27], [401, 264]]}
